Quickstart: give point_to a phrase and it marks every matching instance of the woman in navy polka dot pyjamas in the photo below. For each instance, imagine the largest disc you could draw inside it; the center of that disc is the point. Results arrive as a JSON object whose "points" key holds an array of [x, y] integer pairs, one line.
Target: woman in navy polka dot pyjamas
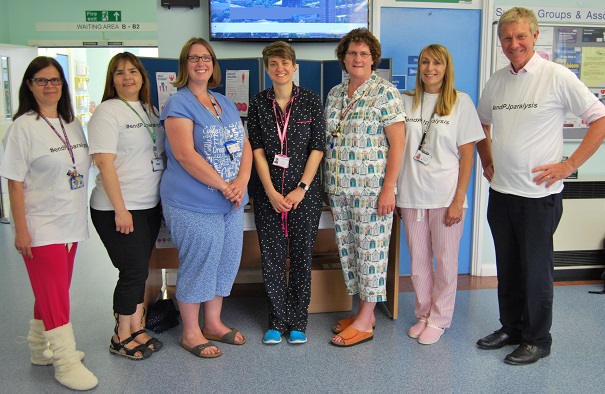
{"points": [[286, 129]]}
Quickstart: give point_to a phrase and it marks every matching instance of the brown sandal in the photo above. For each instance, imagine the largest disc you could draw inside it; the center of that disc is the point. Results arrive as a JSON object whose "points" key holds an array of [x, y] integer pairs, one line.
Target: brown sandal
{"points": [[198, 350]]}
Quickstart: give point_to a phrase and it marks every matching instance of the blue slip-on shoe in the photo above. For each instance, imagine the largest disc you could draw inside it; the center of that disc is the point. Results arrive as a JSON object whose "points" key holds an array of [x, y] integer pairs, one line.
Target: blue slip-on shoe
{"points": [[297, 337], [272, 337]]}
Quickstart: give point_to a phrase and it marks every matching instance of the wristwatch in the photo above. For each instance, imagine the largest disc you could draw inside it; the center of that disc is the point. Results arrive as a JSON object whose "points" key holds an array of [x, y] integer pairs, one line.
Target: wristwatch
{"points": [[303, 186]]}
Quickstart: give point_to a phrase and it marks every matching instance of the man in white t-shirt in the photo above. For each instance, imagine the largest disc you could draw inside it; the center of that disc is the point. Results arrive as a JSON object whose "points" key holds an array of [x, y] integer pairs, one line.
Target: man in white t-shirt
{"points": [[527, 102]]}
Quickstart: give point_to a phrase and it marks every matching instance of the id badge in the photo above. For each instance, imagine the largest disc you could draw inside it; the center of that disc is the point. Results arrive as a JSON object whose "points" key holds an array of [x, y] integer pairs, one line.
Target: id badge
{"points": [[232, 147], [282, 161], [76, 182], [422, 157], [157, 164]]}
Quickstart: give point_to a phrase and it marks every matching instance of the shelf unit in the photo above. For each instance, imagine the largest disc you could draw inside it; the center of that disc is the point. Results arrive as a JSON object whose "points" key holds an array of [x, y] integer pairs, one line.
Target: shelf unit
{"points": [[81, 97]]}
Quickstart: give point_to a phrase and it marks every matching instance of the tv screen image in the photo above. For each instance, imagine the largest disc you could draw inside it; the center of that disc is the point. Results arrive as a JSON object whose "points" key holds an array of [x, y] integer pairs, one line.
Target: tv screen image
{"points": [[288, 20]]}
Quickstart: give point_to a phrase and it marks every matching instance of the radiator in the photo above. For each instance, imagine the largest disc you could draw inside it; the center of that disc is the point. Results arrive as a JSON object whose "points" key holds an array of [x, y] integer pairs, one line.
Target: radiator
{"points": [[578, 241]]}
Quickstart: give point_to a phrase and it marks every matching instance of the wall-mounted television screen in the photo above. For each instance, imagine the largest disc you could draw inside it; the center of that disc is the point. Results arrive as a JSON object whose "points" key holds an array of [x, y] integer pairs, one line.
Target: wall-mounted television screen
{"points": [[288, 20]]}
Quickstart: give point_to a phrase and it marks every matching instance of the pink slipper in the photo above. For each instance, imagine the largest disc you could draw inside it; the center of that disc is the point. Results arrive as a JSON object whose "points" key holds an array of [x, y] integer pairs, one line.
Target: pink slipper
{"points": [[416, 329], [430, 335]]}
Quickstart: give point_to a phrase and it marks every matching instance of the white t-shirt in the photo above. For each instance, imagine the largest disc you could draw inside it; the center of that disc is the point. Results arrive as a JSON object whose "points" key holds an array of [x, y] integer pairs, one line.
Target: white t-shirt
{"points": [[527, 111], [116, 128], [34, 155], [434, 185]]}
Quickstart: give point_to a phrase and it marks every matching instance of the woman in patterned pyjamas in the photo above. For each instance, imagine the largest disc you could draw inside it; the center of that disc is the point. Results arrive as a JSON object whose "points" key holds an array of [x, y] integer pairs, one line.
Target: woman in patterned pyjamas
{"points": [[364, 149], [286, 128]]}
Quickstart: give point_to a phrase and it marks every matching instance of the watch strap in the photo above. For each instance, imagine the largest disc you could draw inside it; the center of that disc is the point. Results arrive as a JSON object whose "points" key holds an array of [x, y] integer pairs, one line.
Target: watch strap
{"points": [[303, 185]]}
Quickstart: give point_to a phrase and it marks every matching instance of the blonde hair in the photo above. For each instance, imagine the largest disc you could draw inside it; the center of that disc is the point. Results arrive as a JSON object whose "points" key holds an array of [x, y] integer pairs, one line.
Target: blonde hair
{"points": [[182, 77], [448, 95], [515, 15]]}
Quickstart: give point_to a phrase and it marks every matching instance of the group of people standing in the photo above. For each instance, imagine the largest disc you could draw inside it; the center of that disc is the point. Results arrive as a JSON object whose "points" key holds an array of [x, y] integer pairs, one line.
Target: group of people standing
{"points": [[384, 155]]}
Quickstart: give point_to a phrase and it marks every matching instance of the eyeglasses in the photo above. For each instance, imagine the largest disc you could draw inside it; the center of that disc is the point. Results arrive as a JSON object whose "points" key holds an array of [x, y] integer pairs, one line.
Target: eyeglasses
{"points": [[364, 55], [44, 81], [195, 59]]}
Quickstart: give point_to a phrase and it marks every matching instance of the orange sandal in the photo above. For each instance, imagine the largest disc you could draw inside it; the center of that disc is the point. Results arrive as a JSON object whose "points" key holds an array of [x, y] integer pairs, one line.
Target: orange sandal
{"points": [[344, 323], [351, 337]]}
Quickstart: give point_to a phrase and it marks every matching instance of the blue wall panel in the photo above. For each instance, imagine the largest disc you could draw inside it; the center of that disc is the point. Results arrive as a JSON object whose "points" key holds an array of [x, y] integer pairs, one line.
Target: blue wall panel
{"points": [[404, 32]]}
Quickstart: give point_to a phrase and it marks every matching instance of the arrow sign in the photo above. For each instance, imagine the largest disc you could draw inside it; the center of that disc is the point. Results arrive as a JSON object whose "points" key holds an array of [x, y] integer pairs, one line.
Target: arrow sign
{"points": [[103, 16]]}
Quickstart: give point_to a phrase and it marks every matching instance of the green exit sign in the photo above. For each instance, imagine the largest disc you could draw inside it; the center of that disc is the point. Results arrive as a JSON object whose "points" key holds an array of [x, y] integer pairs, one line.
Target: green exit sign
{"points": [[103, 16]]}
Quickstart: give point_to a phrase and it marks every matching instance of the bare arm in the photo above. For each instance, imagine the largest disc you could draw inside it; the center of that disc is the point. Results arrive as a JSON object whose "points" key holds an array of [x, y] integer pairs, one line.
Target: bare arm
{"points": [[454, 211], [484, 148], [179, 132], [551, 173], [396, 136], [296, 196], [111, 184], [23, 242]]}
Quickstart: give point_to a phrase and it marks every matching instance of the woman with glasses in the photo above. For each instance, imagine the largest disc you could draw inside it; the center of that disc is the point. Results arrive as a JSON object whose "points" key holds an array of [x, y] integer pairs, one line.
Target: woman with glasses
{"points": [[204, 190], [364, 149], [442, 129], [46, 162], [127, 143], [286, 128]]}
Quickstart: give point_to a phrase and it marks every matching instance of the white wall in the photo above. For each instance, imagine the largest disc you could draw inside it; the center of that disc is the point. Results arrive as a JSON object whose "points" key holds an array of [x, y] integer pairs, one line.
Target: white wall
{"points": [[19, 59]]}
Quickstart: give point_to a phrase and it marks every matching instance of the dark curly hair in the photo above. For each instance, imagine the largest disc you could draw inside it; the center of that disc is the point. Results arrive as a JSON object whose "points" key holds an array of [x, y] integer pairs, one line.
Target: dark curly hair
{"points": [[362, 36]]}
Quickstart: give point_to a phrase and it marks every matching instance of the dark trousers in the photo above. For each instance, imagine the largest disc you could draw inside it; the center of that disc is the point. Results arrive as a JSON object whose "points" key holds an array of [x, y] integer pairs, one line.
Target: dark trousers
{"points": [[288, 300], [523, 229], [129, 253]]}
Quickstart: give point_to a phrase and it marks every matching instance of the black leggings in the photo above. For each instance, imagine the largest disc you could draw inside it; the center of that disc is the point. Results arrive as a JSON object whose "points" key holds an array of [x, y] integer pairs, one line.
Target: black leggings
{"points": [[129, 253]]}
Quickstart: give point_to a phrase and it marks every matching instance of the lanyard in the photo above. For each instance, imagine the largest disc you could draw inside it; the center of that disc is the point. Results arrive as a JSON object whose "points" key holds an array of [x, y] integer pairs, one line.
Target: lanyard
{"points": [[424, 130], [216, 109], [345, 113], [150, 130], [282, 132], [65, 140]]}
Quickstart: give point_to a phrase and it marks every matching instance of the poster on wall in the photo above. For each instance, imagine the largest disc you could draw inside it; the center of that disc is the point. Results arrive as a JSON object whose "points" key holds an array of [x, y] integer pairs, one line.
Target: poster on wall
{"points": [[165, 88], [593, 67], [237, 89], [570, 57]]}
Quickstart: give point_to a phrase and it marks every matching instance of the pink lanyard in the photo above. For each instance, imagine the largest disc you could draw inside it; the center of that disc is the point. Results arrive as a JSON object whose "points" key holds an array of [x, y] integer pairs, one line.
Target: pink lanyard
{"points": [[64, 141], [281, 133]]}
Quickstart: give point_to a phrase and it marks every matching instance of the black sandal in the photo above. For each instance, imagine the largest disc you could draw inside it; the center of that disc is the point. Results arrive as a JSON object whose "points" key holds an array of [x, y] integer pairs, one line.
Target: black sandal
{"points": [[120, 348], [138, 353], [156, 343]]}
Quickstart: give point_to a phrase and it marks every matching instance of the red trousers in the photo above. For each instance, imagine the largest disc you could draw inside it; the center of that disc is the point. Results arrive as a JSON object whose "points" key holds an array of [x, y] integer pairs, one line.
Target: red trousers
{"points": [[50, 272]]}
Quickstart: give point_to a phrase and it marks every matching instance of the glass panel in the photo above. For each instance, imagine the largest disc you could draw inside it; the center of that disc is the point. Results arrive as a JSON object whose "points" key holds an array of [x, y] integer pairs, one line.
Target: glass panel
{"points": [[5, 104]]}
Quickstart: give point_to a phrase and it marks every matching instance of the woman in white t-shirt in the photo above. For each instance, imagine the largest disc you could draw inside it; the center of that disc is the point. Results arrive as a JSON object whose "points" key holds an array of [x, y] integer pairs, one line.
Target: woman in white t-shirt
{"points": [[46, 162], [127, 144], [442, 128]]}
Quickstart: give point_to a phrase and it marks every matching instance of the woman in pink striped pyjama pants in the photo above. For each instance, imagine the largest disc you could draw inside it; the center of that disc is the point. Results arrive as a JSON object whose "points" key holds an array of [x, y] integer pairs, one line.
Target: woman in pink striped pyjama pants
{"points": [[442, 128]]}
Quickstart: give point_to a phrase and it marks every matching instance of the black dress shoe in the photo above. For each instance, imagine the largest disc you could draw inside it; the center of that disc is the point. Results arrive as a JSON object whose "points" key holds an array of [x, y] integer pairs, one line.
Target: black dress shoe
{"points": [[497, 340], [526, 354]]}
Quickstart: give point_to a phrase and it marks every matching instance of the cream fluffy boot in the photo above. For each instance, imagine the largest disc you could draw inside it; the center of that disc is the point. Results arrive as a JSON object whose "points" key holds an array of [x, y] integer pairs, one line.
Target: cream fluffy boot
{"points": [[69, 371], [38, 346]]}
